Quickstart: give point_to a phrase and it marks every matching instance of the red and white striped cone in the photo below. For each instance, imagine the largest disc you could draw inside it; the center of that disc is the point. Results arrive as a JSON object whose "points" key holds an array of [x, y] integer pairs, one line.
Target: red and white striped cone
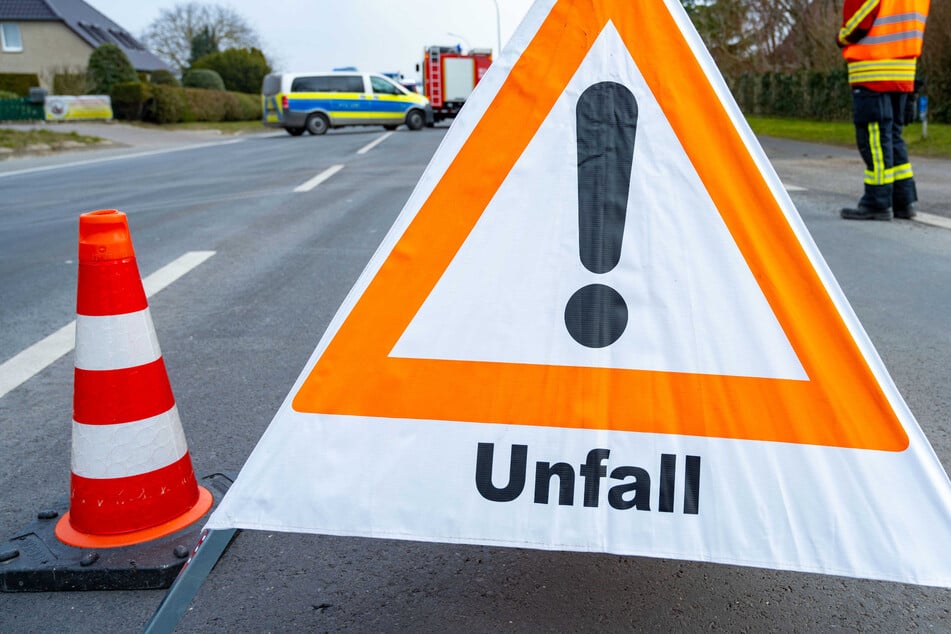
{"points": [[132, 479]]}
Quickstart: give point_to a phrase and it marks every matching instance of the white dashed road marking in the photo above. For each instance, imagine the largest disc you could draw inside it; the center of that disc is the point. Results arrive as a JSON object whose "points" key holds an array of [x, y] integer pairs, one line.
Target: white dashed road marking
{"points": [[317, 180], [23, 366], [369, 146]]}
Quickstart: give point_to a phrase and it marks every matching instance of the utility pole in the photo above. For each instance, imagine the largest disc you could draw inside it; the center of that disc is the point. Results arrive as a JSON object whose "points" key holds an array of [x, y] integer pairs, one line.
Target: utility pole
{"points": [[498, 30]]}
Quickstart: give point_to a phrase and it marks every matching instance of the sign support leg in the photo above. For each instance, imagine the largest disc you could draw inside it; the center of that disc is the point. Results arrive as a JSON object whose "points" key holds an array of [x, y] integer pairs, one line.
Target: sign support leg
{"points": [[211, 546]]}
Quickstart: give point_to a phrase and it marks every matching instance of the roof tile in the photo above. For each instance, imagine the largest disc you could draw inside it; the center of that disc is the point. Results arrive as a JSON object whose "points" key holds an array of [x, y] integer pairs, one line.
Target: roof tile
{"points": [[26, 10]]}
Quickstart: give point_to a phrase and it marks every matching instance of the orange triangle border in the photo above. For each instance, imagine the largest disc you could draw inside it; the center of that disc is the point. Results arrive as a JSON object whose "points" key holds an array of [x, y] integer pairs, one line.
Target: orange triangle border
{"points": [[841, 405]]}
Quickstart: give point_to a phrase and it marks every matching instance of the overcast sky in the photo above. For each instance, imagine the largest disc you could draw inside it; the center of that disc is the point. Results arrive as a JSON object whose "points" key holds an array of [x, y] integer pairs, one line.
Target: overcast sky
{"points": [[373, 35]]}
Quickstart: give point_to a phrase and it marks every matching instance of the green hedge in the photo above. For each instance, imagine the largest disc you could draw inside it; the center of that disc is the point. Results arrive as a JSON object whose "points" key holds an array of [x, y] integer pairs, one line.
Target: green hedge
{"points": [[129, 99], [218, 105], [938, 88], [171, 104], [164, 78], [165, 105], [204, 78], [941, 112], [19, 83], [804, 94], [822, 96]]}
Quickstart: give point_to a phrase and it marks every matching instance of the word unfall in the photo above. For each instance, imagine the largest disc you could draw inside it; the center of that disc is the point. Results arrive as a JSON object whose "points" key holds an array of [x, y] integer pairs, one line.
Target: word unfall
{"points": [[633, 491]]}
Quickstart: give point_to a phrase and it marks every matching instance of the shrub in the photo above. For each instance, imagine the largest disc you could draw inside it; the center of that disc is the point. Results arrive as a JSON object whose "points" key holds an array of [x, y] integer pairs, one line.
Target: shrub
{"points": [[129, 99], [936, 62], [788, 95], [72, 81], [219, 105], [937, 86], [19, 83], [249, 107], [744, 91], [108, 65], [813, 95], [241, 69], [828, 96], [764, 96], [204, 105], [6, 94], [202, 78], [164, 77], [165, 105], [168, 104]]}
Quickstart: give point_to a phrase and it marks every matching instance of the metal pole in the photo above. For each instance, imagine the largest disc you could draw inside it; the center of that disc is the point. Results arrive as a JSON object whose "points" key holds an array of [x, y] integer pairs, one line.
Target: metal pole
{"points": [[210, 547], [498, 30]]}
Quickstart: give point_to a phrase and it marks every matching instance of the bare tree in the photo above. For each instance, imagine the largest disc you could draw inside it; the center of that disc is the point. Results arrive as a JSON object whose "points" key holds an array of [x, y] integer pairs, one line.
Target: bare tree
{"points": [[170, 35], [807, 31], [760, 35], [729, 29]]}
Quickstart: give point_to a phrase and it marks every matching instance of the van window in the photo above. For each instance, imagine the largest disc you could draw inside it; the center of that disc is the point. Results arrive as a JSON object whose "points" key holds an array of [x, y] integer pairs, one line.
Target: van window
{"points": [[308, 84], [346, 83], [328, 83], [271, 85], [384, 87]]}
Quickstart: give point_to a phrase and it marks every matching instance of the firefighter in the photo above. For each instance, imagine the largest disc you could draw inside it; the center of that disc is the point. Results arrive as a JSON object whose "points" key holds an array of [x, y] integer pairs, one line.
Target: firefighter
{"points": [[881, 41]]}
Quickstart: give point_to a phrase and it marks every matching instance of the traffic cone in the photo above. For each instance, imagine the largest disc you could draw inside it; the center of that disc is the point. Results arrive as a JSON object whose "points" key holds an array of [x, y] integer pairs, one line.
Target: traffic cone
{"points": [[132, 479]]}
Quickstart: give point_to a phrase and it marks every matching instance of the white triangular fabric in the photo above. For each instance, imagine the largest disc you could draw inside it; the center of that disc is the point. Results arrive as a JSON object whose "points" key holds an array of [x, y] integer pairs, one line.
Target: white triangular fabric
{"points": [[692, 301], [695, 308]]}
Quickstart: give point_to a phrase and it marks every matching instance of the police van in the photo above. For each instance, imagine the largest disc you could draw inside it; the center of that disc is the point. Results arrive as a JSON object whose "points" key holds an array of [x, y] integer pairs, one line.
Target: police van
{"points": [[317, 102]]}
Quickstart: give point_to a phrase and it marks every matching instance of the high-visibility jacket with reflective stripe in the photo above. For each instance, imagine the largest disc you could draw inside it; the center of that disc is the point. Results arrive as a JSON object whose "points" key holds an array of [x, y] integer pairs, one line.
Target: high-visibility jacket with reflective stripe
{"points": [[889, 51]]}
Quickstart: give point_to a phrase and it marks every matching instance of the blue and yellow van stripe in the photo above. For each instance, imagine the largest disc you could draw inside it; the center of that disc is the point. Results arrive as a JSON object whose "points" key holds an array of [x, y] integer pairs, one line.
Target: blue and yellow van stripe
{"points": [[343, 105]]}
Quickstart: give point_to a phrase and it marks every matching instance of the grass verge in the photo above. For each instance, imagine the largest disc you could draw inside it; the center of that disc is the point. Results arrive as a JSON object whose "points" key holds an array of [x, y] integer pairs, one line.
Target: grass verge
{"points": [[937, 144], [22, 139]]}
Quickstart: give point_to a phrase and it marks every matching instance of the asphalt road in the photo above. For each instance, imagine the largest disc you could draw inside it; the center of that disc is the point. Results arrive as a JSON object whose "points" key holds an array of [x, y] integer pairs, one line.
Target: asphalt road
{"points": [[236, 331]]}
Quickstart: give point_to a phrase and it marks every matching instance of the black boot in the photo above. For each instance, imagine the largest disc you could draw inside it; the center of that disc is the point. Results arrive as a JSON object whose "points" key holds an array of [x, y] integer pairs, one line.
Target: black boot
{"points": [[866, 213], [907, 212]]}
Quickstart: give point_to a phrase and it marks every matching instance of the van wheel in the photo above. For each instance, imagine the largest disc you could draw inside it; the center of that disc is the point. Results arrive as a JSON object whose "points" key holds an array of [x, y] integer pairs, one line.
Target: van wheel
{"points": [[390, 127], [295, 131], [317, 124], [415, 120]]}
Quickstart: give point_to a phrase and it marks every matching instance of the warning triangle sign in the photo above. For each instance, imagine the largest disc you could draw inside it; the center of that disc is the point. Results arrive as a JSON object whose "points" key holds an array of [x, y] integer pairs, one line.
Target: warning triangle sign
{"points": [[599, 265], [672, 370]]}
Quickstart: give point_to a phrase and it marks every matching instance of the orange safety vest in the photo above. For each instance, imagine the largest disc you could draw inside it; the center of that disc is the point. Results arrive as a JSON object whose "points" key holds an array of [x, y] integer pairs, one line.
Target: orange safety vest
{"points": [[890, 50]]}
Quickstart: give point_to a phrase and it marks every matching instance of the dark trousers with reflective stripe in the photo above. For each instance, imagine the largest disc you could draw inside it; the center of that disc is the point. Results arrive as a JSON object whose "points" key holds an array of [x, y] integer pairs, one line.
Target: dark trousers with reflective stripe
{"points": [[878, 118]]}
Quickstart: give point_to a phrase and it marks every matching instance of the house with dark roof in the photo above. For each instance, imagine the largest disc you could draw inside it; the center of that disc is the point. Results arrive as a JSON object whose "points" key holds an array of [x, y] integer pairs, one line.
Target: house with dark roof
{"points": [[48, 36]]}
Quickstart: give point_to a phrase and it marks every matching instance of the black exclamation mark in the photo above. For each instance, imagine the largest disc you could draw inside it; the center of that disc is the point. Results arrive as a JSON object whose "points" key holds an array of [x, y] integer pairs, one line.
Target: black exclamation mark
{"points": [[596, 315]]}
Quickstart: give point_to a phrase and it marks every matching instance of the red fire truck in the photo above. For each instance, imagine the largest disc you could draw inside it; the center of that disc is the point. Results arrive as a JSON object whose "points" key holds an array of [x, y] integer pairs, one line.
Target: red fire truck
{"points": [[449, 75]]}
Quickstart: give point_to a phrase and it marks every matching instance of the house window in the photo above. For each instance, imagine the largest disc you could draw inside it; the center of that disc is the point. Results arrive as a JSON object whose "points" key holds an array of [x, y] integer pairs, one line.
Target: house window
{"points": [[10, 37]]}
